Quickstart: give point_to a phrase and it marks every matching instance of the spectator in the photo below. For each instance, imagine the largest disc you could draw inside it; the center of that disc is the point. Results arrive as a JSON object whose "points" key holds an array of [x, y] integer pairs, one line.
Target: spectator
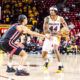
{"points": [[25, 9], [79, 48], [4, 17], [39, 45], [77, 40], [73, 6], [78, 34], [74, 48], [68, 49], [29, 11], [32, 40], [30, 21], [67, 19], [71, 25], [63, 48], [66, 9], [28, 40], [77, 16], [20, 11], [71, 9], [7, 19], [34, 8], [20, 4], [22, 38]]}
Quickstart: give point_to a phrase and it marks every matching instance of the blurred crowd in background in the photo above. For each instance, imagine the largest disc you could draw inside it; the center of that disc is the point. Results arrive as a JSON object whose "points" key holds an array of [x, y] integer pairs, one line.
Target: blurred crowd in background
{"points": [[34, 45], [13, 8]]}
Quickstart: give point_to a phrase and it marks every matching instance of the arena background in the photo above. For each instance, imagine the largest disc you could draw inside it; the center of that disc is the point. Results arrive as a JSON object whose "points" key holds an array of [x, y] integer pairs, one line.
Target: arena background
{"points": [[36, 11]]}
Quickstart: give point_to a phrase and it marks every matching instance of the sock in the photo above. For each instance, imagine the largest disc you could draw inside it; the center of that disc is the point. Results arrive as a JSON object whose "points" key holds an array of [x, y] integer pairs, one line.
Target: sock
{"points": [[9, 64], [47, 60], [60, 64], [20, 67]]}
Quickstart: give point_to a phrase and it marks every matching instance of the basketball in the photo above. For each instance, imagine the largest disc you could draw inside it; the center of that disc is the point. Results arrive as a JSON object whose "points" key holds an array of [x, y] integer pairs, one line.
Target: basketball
{"points": [[64, 32]]}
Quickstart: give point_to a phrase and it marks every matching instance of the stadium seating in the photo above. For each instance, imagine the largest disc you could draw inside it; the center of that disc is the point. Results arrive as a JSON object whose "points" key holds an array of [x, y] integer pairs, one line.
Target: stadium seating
{"points": [[13, 8]]}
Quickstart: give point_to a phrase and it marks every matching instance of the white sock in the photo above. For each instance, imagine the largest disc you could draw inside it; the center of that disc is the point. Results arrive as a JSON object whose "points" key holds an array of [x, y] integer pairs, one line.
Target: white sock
{"points": [[20, 67], [47, 60], [10, 64], [60, 64]]}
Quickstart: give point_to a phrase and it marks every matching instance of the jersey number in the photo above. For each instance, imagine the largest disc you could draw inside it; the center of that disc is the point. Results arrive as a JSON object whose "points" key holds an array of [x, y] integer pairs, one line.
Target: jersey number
{"points": [[55, 29]]}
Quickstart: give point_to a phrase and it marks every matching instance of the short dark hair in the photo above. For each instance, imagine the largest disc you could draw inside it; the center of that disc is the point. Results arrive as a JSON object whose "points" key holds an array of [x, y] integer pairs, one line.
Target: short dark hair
{"points": [[21, 18]]}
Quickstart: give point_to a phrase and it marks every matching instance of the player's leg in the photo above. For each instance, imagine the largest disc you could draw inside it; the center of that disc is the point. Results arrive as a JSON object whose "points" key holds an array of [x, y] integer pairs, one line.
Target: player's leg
{"points": [[24, 56], [9, 65], [19, 70], [45, 50], [44, 56], [60, 66]]}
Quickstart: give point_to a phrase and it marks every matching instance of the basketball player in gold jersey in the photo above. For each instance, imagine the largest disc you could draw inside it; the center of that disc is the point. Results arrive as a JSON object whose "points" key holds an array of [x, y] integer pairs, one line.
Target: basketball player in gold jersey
{"points": [[51, 27]]}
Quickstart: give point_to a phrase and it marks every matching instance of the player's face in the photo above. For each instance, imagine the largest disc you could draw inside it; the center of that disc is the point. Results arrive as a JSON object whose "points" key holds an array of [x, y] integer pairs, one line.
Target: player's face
{"points": [[52, 12], [25, 21]]}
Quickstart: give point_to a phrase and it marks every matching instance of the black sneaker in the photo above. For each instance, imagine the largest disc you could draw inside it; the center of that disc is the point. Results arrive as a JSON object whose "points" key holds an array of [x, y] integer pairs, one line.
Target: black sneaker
{"points": [[10, 69], [21, 73]]}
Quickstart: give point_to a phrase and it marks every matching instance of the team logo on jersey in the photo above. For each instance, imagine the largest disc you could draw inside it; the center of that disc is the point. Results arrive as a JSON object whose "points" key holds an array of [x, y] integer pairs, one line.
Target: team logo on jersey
{"points": [[53, 23]]}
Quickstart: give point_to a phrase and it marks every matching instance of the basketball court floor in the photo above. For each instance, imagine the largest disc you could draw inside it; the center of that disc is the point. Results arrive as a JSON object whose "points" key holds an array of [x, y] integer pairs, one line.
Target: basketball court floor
{"points": [[34, 66]]}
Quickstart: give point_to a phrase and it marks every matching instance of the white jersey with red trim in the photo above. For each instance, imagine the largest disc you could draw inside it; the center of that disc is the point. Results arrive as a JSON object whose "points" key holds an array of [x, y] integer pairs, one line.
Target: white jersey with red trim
{"points": [[55, 27], [54, 24]]}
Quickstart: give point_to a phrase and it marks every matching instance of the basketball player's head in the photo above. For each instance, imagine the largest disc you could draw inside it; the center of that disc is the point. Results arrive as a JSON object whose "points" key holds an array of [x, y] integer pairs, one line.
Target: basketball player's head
{"points": [[22, 19], [53, 10]]}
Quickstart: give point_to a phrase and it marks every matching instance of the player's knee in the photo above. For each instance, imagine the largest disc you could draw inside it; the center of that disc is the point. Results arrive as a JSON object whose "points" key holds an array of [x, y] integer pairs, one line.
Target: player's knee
{"points": [[55, 48], [23, 54], [44, 53]]}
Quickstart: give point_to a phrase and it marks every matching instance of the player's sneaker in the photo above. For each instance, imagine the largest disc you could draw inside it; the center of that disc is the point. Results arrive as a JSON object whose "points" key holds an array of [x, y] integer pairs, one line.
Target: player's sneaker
{"points": [[60, 69], [10, 69], [46, 65], [21, 73]]}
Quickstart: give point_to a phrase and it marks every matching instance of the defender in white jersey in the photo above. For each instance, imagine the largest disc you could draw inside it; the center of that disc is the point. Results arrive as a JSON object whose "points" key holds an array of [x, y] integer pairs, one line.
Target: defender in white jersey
{"points": [[52, 27]]}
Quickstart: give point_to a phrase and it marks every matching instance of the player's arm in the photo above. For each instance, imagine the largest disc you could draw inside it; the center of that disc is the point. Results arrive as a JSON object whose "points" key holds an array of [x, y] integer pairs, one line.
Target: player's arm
{"points": [[16, 42], [45, 25], [63, 22], [27, 31]]}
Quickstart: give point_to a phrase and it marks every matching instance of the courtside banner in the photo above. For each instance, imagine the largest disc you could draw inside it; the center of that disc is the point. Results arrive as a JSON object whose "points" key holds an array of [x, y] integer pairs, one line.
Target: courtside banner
{"points": [[4, 27], [3, 30], [8, 25]]}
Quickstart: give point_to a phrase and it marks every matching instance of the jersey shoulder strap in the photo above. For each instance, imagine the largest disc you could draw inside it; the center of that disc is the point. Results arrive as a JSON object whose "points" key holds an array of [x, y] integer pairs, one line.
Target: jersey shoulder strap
{"points": [[58, 19]]}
